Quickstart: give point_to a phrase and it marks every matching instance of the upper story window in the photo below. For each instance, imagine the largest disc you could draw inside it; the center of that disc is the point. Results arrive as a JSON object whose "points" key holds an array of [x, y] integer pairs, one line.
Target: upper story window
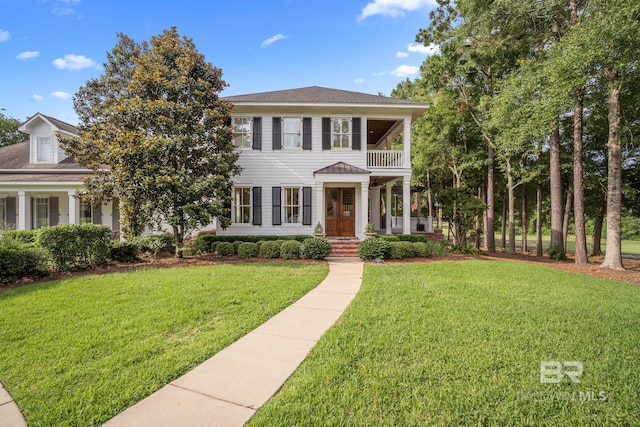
{"points": [[291, 205], [341, 133], [44, 149], [242, 203], [292, 132], [242, 132]]}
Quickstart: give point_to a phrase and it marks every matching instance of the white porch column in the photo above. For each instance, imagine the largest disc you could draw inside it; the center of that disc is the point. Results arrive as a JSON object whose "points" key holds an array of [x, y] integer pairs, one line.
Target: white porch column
{"points": [[406, 205], [364, 193], [375, 208], [388, 207], [320, 205], [22, 210], [73, 217], [407, 142]]}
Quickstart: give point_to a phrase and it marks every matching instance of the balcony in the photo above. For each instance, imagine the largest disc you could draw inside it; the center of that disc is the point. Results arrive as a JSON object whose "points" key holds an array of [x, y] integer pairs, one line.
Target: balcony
{"points": [[386, 159]]}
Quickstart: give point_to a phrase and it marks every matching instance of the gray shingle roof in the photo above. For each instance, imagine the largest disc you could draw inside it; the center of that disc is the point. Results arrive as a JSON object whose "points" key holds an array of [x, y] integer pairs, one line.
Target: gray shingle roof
{"points": [[317, 94], [341, 167], [16, 156]]}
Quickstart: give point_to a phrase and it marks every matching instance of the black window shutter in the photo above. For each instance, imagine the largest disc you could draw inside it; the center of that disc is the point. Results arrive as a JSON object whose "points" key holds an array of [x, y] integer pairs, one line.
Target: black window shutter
{"points": [[326, 133], [115, 215], [277, 133], [356, 133], [276, 197], [53, 211], [11, 212], [306, 133], [306, 205], [96, 214], [257, 205], [256, 143]]}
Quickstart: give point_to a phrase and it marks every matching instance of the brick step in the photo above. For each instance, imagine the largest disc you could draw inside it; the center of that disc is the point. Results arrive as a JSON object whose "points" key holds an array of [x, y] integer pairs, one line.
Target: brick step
{"points": [[344, 247]]}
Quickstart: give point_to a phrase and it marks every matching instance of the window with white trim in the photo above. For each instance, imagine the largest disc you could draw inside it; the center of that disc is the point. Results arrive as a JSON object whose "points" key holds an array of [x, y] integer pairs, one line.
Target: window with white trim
{"points": [[85, 213], [291, 132], [291, 206], [44, 151], [42, 212], [242, 204], [341, 132], [242, 132], [3, 212]]}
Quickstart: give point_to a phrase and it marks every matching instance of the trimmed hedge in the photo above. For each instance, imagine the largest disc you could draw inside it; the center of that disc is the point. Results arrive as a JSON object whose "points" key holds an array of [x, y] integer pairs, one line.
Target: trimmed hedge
{"points": [[247, 250], [155, 243], [290, 249], [225, 249], [22, 236], [315, 248], [421, 249], [76, 247], [400, 250], [124, 251], [207, 240], [20, 260], [374, 248], [270, 249]]}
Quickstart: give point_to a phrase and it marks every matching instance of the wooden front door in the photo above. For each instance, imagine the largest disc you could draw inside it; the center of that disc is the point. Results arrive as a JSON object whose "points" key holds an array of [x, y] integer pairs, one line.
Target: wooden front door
{"points": [[340, 204]]}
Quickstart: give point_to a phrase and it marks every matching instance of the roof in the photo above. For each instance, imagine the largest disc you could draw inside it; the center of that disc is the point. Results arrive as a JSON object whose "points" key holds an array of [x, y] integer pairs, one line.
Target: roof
{"points": [[317, 94], [341, 167], [59, 125], [16, 156]]}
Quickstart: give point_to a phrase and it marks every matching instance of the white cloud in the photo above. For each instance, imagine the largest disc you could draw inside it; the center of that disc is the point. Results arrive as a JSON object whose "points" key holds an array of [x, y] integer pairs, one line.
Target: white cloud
{"points": [[273, 39], [74, 63], [29, 54], [36, 97], [359, 81], [401, 54], [60, 95], [405, 71], [63, 7], [393, 8], [426, 50], [4, 36], [380, 74]]}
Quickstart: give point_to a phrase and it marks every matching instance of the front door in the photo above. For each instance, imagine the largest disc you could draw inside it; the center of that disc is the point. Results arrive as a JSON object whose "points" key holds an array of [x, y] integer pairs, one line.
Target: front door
{"points": [[341, 212]]}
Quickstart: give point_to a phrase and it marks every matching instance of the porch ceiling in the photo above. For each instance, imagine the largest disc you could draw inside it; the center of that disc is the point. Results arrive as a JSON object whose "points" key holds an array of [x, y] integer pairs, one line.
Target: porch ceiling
{"points": [[377, 129]]}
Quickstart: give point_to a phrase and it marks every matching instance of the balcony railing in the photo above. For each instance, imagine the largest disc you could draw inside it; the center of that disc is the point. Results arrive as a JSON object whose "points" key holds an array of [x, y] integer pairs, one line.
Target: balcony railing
{"points": [[385, 159]]}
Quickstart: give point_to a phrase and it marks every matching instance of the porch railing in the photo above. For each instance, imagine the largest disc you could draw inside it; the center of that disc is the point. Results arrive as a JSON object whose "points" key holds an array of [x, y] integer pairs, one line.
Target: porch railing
{"points": [[385, 159]]}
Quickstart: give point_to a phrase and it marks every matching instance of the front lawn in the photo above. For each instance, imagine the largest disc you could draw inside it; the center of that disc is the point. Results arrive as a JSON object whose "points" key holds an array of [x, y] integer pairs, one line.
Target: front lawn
{"points": [[461, 343], [76, 352]]}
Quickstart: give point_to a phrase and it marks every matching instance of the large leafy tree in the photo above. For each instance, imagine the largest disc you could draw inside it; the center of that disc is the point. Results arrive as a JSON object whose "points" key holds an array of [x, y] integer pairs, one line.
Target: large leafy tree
{"points": [[9, 133], [156, 133]]}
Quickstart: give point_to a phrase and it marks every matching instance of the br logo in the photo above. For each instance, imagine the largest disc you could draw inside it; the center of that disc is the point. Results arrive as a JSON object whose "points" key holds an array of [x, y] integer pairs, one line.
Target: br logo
{"points": [[553, 372]]}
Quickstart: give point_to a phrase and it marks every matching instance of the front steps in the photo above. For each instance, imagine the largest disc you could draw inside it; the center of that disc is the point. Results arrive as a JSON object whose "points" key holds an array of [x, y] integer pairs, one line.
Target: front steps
{"points": [[344, 247]]}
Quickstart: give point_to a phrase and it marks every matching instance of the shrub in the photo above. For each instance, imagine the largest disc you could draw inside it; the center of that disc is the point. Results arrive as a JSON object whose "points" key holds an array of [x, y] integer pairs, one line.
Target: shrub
{"points": [[290, 249], [270, 249], [124, 251], [557, 253], [76, 247], [236, 245], [389, 237], [374, 248], [247, 250], [315, 248], [400, 250], [20, 260], [155, 243], [225, 249], [22, 236], [214, 246], [201, 246], [465, 250], [421, 249], [412, 238]]}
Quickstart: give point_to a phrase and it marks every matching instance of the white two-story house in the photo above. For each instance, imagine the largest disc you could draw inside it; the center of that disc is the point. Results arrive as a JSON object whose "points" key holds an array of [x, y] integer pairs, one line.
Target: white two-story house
{"points": [[317, 155], [308, 156]]}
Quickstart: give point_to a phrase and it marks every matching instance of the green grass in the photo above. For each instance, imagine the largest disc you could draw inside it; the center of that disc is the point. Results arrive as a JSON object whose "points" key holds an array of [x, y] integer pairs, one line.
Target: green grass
{"points": [[76, 352], [460, 344]]}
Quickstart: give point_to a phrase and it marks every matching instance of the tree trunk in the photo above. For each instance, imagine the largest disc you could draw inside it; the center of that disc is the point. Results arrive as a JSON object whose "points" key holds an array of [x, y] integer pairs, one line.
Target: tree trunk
{"points": [[539, 220], [567, 213], [555, 179], [578, 185], [613, 253], [429, 198], [490, 229], [503, 243], [511, 248], [525, 219], [596, 242]]}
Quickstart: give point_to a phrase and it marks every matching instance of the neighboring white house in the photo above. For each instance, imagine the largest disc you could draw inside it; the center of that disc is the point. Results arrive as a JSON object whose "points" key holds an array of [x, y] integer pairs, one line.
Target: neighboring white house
{"points": [[310, 155]]}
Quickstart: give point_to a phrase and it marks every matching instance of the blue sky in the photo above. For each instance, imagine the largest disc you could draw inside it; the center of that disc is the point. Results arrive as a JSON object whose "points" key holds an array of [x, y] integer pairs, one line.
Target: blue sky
{"points": [[49, 48]]}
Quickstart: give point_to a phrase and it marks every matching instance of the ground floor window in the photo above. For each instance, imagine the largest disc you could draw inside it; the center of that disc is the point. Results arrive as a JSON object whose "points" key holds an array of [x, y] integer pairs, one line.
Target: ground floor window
{"points": [[85, 213], [3, 212], [42, 212], [242, 202], [291, 205]]}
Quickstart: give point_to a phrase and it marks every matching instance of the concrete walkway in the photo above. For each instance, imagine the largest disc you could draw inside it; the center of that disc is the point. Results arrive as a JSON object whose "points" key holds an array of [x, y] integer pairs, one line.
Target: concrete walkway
{"points": [[10, 415], [227, 389]]}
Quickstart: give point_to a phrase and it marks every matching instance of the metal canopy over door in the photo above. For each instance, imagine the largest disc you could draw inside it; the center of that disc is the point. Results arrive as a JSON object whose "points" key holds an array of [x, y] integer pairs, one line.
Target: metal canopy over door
{"points": [[341, 212]]}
